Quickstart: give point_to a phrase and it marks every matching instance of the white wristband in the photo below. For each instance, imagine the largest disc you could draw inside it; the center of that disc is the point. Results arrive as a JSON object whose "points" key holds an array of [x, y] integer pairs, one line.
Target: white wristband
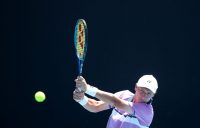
{"points": [[83, 101], [91, 91]]}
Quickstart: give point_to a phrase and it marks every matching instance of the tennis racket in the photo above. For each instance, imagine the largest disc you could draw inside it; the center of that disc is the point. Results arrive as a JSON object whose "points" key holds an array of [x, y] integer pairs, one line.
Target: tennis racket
{"points": [[81, 43]]}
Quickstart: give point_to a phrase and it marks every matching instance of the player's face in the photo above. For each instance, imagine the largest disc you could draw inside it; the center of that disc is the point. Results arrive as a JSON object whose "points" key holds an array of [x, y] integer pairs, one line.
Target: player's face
{"points": [[144, 94]]}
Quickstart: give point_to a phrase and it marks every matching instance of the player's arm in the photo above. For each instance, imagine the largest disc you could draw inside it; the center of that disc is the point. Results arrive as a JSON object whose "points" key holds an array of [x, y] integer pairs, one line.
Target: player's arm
{"points": [[95, 106], [113, 100], [89, 104], [106, 97]]}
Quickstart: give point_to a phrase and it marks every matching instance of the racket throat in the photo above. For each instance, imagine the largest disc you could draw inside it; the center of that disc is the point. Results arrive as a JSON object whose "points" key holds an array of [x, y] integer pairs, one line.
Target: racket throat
{"points": [[80, 69]]}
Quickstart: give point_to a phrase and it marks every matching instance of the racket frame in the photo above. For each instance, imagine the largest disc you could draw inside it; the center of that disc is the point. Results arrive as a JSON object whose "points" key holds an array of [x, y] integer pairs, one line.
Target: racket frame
{"points": [[81, 59]]}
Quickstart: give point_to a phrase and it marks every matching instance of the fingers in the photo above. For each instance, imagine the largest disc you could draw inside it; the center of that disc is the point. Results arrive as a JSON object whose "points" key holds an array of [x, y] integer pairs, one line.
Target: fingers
{"points": [[77, 98], [80, 78], [78, 91], [78, 95], [78, 85], [78, 81], [81, 84]]}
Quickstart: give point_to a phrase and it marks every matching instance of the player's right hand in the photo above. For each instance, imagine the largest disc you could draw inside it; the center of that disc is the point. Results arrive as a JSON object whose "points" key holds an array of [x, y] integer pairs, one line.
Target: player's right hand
{"points": [[78, 95]]}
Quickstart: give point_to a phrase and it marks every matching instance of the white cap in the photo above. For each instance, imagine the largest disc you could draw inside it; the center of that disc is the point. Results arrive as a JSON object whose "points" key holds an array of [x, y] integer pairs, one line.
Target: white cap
{"points": [[148, 81]]}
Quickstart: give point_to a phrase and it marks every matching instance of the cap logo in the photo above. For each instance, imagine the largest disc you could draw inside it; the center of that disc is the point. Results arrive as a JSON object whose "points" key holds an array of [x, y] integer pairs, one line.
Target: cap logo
{"points": [[149, 81]]}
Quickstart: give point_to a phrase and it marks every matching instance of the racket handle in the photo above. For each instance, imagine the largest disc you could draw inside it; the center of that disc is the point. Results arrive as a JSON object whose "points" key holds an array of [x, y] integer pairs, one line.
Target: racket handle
{"points": [[79, 89], [80, 69], [80, 73]]}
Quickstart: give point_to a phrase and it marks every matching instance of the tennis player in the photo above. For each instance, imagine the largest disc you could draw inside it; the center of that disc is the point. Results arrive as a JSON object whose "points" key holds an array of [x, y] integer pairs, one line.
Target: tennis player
{"points": [[129, 110]]}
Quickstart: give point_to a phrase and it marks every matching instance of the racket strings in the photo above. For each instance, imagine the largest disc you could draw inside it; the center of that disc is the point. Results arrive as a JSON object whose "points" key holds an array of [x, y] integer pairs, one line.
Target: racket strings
{"points": [[81, 41]]}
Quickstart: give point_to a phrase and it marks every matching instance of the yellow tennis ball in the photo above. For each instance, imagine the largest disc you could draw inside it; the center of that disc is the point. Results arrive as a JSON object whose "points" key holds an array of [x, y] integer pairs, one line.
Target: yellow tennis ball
{"points": [[40, 96]]}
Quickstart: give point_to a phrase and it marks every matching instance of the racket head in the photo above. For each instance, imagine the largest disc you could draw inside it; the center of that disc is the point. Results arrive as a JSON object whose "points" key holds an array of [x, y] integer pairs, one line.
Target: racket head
{"points": [[81, 39], [81, 42]]}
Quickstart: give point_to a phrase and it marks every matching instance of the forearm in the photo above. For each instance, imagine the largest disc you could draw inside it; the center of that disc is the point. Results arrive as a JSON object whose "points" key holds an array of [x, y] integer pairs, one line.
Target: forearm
{"points": [[107, 97], [91, 105]]}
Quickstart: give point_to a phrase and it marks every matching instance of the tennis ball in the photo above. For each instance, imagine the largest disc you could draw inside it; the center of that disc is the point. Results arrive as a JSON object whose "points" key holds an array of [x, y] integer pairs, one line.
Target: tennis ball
{"points": [[40, 96]]}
